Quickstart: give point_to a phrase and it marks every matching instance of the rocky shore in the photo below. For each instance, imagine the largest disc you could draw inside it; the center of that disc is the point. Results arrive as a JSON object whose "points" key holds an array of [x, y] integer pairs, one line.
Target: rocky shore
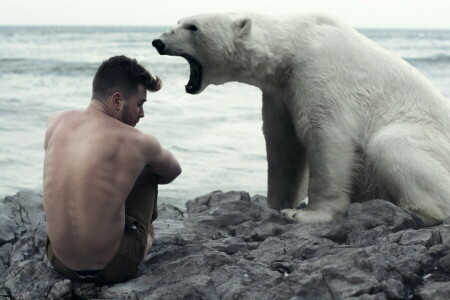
{"points": [[231, 246]]}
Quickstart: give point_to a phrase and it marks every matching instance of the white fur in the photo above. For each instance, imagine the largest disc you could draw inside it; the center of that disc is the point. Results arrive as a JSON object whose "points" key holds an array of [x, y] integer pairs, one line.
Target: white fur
{"points": [[343, 118]]}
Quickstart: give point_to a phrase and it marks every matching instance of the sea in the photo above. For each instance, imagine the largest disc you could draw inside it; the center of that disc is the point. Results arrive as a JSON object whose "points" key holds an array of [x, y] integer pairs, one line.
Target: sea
{"points": [[217, 135]]}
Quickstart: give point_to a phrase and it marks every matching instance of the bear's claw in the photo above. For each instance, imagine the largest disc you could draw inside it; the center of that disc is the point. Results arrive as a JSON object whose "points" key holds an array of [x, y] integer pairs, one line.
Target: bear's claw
{"points": [[307, 216]]}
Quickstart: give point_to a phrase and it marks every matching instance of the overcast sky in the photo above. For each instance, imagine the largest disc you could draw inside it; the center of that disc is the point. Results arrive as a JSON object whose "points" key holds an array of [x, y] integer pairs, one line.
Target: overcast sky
{"points": [[359, 13]]}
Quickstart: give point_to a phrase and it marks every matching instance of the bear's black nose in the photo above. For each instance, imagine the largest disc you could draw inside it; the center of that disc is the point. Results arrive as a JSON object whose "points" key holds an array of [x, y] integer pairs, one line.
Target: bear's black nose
{"points": [[159, 45]]}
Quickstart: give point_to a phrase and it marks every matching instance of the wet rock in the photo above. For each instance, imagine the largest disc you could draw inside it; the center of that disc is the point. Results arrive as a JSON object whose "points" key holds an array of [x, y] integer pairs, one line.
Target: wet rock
{"points": [[231, 246]]}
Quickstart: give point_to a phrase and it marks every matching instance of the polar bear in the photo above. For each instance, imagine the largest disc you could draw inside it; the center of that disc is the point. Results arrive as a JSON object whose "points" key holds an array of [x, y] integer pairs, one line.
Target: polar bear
{"points": [[343, 119]]}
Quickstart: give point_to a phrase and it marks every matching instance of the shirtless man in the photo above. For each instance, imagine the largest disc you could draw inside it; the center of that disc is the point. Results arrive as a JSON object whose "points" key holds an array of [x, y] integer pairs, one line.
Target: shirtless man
{"points": [[101, 176]]}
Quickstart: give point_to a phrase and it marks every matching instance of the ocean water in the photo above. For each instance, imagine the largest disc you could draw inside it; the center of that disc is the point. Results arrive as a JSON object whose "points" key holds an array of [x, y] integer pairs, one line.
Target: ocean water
{"points": [[216, 135]]}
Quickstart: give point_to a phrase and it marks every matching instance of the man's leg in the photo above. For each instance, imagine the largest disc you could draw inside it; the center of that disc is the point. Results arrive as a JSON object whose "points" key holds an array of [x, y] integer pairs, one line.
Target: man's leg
{"points": [[141, 202], [140, 211]]}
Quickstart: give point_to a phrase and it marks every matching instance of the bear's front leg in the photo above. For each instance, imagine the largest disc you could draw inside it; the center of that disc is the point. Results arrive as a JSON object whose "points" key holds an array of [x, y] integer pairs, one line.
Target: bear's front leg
{"points": [[286, 156], [331, 160]]}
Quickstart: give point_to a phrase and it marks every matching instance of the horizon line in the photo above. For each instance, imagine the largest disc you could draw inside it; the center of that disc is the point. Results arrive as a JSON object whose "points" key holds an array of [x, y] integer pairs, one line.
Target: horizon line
{"points": [[168, 26]]}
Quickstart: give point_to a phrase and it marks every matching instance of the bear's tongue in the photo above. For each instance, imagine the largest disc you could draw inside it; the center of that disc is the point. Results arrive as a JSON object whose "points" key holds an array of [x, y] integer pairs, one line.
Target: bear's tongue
{"points": [[195, 78]]}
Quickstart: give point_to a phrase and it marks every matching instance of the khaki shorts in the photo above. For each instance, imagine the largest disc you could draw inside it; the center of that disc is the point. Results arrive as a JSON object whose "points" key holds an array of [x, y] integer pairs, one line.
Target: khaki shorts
{"points": [[140, 212]]}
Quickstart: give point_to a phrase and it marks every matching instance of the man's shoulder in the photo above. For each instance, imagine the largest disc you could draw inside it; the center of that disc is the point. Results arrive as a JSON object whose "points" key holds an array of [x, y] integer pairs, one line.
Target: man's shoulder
{"points": [[53, 122], [149, 139], [57, 115], [145, 140]]}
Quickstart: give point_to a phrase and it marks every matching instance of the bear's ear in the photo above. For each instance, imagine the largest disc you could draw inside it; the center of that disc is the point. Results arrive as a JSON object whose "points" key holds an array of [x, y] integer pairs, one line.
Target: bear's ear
{"points": [[243, 26]]}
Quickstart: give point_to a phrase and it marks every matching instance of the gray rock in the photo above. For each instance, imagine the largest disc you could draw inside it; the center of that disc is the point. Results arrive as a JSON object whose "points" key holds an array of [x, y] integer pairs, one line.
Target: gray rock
{"points": [[444, 263], [60, 290], [434, 290], [170, 212], [26, 208], [231, 246], [7, 226], [364, 223], [5, 253], [196, 287], [31, 280]]}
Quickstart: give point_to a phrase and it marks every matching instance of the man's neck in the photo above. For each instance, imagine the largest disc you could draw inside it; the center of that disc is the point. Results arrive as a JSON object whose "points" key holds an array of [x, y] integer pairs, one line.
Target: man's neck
{"points": [[103, 108]]}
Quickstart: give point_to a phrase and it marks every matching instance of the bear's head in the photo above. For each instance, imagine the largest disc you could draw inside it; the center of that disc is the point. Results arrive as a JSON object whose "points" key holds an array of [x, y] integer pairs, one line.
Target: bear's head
{"points": [[209, 44]]}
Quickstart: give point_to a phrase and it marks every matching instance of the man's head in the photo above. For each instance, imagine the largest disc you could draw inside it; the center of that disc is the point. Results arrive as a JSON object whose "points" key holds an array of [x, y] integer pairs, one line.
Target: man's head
{"points": [[122, 83]]}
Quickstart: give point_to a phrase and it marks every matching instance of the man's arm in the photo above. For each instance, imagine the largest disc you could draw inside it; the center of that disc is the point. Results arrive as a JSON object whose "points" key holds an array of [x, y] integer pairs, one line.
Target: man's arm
{"points": [[160, 160]]}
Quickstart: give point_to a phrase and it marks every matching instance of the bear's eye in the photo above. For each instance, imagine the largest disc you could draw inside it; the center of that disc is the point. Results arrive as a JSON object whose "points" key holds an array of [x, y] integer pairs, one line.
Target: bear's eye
{"points": [[191, 27]]}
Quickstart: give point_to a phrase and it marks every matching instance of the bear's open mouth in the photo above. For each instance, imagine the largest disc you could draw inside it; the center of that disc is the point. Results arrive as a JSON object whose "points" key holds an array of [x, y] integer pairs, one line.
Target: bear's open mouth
{"points": [[195, 78]]}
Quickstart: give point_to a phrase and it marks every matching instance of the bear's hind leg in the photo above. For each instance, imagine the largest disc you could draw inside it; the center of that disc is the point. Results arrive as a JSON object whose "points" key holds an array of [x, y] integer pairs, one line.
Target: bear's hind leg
{"points": [[413, 165]]}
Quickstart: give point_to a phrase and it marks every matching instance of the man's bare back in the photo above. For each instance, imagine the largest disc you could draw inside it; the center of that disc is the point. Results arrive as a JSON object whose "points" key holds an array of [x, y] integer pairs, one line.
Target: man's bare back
{"points": [[92, 161]]}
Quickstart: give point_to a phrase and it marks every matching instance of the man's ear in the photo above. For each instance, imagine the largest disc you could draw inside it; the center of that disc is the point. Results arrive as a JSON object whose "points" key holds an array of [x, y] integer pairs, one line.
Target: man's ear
{"points": [[243, 26], [117, 99]]}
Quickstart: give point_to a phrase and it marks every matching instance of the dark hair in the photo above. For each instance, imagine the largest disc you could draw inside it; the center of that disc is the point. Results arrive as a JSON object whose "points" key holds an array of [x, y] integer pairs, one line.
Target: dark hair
{"points": [[122, 74]]}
